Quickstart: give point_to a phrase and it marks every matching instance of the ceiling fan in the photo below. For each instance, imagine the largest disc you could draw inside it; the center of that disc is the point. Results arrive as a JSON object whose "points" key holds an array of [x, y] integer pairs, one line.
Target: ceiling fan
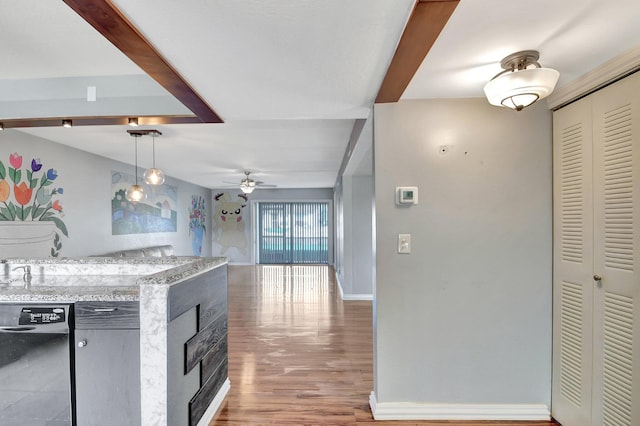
{"points": [[247, 185]]}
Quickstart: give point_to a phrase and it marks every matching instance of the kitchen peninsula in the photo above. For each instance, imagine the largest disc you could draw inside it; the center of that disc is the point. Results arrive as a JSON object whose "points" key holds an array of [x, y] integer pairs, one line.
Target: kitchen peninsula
{"points": [[174, 307]]}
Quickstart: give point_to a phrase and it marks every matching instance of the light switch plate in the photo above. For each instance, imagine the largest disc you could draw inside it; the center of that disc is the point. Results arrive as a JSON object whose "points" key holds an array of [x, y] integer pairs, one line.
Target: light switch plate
{"points": [[404, 243]]}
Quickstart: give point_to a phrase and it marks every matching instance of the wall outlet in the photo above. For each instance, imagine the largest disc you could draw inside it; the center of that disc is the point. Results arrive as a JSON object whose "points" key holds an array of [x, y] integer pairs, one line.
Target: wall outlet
{"points": [[404, 243]]}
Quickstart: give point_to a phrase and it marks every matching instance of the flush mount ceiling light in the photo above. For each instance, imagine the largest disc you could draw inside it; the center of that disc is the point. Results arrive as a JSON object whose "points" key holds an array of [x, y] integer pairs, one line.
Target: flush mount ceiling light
{"points": [[135, 192], [522, 82]]}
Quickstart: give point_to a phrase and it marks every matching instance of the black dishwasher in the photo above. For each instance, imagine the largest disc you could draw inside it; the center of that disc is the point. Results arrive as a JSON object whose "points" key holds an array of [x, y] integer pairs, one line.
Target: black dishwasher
{"points": [[35, 364]]}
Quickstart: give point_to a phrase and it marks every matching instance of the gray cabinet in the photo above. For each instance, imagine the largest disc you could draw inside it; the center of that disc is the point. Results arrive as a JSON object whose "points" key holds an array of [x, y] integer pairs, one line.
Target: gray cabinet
{"points": [[107, 364]]}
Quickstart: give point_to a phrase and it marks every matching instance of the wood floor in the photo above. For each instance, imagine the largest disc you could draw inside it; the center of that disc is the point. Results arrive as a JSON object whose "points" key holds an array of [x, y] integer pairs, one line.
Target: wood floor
{"points": [[298, 355]]}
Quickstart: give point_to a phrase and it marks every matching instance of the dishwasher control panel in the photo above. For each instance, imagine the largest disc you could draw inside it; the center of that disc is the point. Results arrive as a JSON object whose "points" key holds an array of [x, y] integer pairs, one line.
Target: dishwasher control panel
{"points": [[42, 315]]}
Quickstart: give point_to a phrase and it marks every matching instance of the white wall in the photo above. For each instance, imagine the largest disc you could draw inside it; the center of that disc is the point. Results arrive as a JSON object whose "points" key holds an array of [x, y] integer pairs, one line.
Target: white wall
{"points": [[466, 317], [86, 181]]}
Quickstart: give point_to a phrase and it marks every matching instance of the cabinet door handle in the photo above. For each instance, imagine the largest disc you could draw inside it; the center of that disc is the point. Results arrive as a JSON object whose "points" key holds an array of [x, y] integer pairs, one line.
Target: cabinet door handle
{"points": [[82, 343], [105, 309]]}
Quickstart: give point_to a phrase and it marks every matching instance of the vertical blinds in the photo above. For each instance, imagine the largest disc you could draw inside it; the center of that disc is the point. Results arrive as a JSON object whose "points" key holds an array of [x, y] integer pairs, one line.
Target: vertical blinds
{"points": [[293, 232]]}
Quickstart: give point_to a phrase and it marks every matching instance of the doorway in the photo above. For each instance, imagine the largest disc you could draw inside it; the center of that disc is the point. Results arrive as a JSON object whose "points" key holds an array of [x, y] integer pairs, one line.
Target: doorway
{"points": [[293, 232]]}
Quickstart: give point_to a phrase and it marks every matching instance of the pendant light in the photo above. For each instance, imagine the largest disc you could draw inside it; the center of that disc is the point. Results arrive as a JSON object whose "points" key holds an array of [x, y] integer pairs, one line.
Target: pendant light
{"points": [[135, 192], [154, 176], [522, 82]]}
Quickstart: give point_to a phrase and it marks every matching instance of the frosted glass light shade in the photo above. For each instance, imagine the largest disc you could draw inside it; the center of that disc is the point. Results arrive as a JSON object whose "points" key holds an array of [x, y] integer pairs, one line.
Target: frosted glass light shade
{"points": [[247, 188], [519, 89], [154, 176], [135, 193]]}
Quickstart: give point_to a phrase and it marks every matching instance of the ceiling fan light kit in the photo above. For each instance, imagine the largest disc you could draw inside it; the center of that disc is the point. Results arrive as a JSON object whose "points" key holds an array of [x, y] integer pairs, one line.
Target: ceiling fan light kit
{"points": [[522, 82], [247, 185]]}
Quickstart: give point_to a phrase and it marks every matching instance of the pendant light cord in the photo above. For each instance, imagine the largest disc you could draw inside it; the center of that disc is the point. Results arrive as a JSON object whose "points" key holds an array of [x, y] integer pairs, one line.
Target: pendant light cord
{"points": [[136, 157], [154, 150]]}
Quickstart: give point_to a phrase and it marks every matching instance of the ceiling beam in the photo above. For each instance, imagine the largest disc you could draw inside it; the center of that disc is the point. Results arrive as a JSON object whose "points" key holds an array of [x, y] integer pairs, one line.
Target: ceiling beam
{"points": [[427, 20], [105, 17], [96, 121]]}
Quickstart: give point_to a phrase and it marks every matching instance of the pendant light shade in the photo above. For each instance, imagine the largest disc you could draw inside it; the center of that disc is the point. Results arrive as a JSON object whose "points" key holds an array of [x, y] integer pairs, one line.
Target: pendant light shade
{"points": [[154, 176], [135, 192], [522, 82]]}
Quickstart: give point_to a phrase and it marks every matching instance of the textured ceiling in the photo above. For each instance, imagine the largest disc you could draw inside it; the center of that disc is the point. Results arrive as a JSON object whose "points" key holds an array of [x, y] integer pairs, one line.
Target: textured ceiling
{"points": [[289, 77]]}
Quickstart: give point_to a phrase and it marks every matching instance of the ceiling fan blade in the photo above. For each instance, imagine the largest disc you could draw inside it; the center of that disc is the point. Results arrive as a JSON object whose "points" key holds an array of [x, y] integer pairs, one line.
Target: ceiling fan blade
{"points": [[262, 185]]}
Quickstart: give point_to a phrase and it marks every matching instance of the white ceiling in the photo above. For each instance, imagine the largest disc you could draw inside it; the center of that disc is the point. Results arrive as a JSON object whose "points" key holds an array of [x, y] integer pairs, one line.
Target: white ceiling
{"points": [[288, 77]]}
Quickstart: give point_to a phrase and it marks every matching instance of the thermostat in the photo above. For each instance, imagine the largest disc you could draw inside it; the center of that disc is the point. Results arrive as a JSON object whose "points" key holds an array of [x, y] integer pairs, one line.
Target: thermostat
{"points": [[407, 195]]}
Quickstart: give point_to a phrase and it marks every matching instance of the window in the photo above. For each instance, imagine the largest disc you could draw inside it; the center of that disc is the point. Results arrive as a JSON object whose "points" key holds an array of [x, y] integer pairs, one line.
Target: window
{"points": [[293, 232]]}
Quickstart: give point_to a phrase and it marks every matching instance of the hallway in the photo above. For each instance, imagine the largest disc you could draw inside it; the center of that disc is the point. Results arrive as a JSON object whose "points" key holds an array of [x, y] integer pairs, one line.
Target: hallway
{"points": [[298, 354]]}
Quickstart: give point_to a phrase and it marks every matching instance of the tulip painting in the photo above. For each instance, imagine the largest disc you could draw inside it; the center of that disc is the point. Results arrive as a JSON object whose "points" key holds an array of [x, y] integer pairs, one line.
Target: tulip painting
{"points": [[31, 197], [36, 165], [5, 191], [15, 160], [22, 193]]}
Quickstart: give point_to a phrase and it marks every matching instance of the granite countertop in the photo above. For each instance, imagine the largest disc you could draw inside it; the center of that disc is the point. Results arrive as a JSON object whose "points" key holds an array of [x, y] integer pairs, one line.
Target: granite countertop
{"points": [[96, 278]]}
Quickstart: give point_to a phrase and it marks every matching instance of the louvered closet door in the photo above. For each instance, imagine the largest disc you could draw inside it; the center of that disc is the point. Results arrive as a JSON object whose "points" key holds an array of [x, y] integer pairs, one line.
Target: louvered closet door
{"points": [[573, 264], [616, 117]]}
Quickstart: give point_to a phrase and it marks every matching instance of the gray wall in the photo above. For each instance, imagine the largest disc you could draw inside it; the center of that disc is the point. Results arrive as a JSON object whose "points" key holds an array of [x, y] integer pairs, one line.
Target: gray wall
{"points": [[466, 317], [362, 223], [354, 215], [268, 194], [342, 259], [356, 260], [86, 201]]}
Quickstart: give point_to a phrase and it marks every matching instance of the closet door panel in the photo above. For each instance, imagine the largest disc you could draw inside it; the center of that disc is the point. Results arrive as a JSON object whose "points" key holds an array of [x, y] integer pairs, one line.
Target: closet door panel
{"points": [[616, 118], [573, 264]]}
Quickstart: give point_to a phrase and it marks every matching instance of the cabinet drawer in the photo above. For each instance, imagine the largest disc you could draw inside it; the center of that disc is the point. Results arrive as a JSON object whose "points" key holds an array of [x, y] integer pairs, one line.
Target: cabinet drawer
{"points": [[107, 315]]}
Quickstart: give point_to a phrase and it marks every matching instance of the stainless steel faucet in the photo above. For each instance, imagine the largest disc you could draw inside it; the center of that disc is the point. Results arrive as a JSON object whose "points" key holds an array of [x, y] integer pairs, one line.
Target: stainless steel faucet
{"points": [[27, 274]]}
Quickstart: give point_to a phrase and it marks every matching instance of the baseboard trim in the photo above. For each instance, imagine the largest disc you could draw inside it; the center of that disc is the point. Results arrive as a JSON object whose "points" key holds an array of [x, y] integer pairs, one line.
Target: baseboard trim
{"points": [[368, 297], [344, 296], [339, 284], [215, 404], [417, 411]]}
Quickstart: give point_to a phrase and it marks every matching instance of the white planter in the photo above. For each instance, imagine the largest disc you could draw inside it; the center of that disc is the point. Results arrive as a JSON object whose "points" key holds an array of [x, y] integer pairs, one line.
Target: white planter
{"points": [[26, 239]]}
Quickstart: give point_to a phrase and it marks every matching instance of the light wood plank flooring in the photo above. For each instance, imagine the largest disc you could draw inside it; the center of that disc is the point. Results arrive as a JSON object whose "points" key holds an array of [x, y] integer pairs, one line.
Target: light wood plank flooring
{"points": [[298, 354]]}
